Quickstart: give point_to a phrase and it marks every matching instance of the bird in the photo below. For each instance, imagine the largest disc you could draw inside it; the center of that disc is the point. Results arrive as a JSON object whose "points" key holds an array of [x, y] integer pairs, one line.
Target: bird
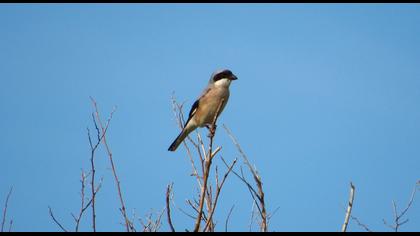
{"points": [[205, 107]]}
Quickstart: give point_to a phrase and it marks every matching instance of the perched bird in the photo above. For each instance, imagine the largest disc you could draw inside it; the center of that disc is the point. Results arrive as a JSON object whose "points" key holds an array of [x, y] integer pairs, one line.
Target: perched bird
{"points": [[204, 109]]}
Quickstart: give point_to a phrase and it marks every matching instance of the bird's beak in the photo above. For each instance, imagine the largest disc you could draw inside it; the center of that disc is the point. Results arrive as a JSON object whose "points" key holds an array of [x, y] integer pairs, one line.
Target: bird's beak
{"points": [[233, 77]]}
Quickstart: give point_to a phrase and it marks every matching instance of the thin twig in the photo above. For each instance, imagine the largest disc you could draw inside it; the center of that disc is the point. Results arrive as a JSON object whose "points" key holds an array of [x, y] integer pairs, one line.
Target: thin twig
{"points": [[93, 149], [251, 220], [206, 172], [201, 151], [227, 218], [407, 207], [252, 169], [93, 170], [397, 217], [194, 206], [258, 181], [123, 209], [208, 193], [131, 224], [218, 190], [364, 226], [264, 226], [272, 214], [55, 220], [168, 209], [158, 221], [185, 213], [82, 207], [252, 191], [350, 206], [5, 208], [10, 225], [152, 225]]}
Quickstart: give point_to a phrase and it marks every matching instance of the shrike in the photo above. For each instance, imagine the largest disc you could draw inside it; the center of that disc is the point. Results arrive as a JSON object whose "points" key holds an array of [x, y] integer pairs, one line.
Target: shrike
{"points": [[204, 109]]}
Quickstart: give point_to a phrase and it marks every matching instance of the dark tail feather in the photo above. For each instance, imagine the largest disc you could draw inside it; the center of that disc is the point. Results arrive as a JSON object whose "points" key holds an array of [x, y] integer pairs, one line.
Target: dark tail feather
{"points": [[178, 140]]}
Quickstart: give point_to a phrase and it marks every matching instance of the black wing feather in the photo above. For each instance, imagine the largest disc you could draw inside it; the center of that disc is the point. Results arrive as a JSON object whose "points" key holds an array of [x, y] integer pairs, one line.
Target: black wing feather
{"points": [[192, 111], [195, 105]]}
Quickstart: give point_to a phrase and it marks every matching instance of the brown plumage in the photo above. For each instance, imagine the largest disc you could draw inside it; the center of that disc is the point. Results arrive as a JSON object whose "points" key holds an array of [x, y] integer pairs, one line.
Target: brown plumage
{"points": [[204, 109]]}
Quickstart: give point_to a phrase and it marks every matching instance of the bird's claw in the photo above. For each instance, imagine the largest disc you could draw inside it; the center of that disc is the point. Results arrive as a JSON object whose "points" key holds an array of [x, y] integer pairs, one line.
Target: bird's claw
{"points": [[212, 130]]}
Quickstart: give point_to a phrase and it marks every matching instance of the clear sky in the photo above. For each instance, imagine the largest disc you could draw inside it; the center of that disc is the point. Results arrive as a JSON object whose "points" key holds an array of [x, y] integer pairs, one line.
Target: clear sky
{"points": [[327, 94]]}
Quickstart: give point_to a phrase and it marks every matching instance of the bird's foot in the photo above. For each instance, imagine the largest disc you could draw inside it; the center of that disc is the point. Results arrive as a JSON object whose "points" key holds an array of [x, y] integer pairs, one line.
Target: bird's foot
{"points": [[212, 130]]}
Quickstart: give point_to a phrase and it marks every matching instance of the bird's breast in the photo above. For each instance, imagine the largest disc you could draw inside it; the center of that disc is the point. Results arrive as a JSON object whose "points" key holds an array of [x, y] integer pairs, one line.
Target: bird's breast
{"points": [[208, 105]]}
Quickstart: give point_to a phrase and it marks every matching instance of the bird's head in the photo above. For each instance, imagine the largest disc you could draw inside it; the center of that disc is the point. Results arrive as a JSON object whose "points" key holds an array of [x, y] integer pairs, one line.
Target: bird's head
{"points": [[222, 77]]}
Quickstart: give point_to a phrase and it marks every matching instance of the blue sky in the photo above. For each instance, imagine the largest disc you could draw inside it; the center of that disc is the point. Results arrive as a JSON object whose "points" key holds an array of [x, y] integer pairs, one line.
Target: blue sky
{"points": [[327, 94]]}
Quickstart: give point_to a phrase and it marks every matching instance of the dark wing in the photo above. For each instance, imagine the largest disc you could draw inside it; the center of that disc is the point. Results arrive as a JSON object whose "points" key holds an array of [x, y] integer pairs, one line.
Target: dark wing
{"points": [[195, 106], [192, 111]]}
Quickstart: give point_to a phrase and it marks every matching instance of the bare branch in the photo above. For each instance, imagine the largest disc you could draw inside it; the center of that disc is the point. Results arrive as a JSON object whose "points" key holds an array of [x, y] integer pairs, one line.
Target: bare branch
{"points": [[5, 209], [258, 181], [152, 225], [364, 226], [158, 221], [10, 225], [252, 169], [104, 128], [92, 162], [93, 170], [269, 216], [218, 190], [184, 212], [350, 206], [206, 172], [200, 151], [251, 220], [168, 209], [252, 191], [82, 207], [55, 220], [397, 217], [227, 218], [410, 202], [194, 206], [264, 226]]}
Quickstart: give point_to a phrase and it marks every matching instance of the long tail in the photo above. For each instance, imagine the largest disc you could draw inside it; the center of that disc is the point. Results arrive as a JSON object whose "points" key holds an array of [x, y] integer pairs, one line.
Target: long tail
{"points": [[179, 139]]}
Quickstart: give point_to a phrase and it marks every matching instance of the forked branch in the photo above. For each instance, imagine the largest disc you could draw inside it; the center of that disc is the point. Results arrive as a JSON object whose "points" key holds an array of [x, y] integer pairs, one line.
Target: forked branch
{"points": [[398, 216], [128, 224], [208, 160], [256, 194]]}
